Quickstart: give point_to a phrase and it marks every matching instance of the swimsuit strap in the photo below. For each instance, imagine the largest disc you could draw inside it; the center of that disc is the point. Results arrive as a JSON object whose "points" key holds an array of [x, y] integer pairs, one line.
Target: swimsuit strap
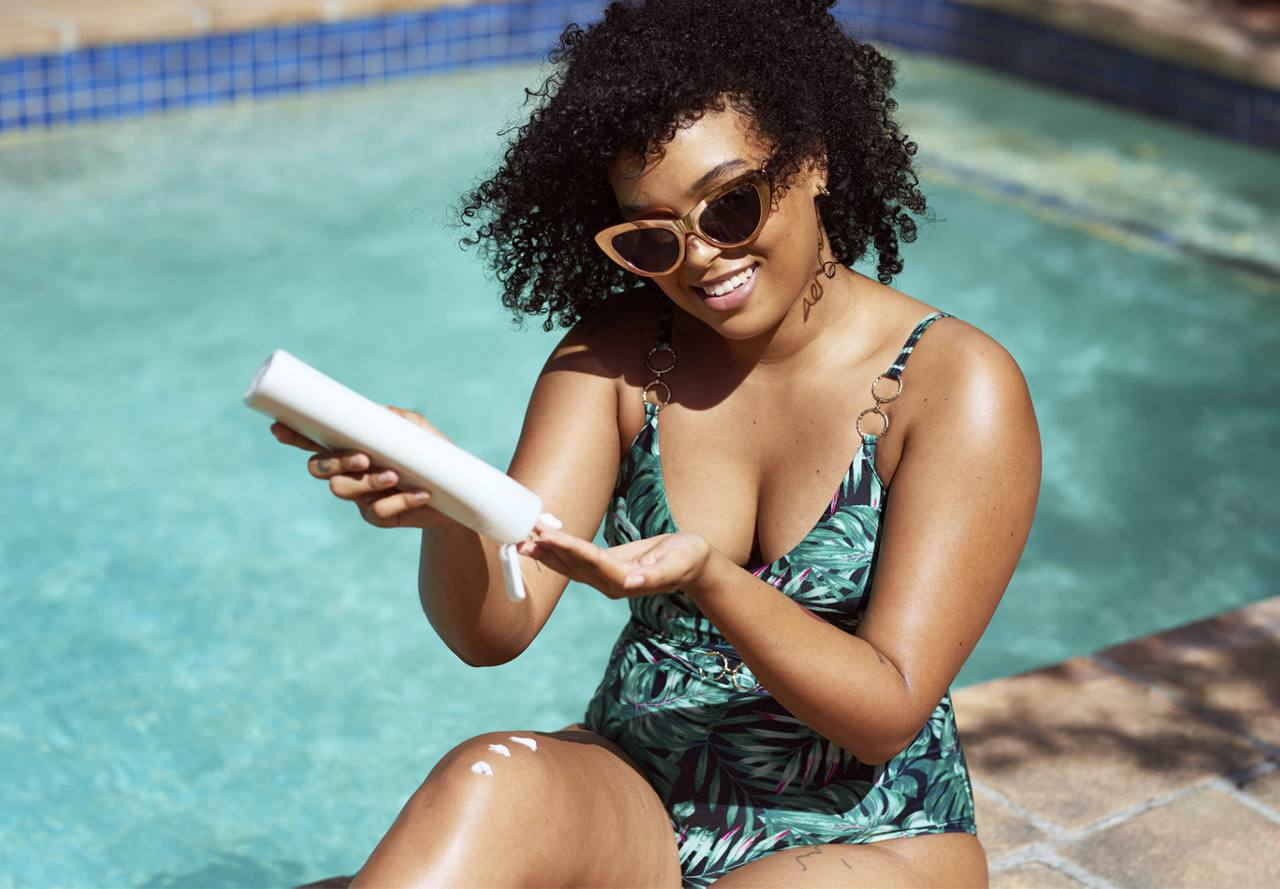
{"points": [[665, 317], [895, 370], [659, 363], [895, 373]]}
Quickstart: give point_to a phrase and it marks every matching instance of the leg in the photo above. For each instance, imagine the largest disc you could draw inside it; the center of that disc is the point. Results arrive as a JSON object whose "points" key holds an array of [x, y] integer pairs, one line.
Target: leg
{"points": [[574, 812], [939, 861]]}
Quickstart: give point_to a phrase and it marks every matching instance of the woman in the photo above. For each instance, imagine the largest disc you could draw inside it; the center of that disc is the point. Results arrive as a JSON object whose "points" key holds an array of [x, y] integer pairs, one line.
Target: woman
{"points": [[689, 199]]}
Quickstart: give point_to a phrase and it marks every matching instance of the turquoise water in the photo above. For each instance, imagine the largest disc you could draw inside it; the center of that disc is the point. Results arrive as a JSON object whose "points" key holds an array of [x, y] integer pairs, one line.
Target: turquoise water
{"points": [[218, 675]]}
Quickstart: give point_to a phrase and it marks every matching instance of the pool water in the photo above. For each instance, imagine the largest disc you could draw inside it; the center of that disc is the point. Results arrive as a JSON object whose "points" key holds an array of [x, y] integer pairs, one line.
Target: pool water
{"points": [[218, 674]]}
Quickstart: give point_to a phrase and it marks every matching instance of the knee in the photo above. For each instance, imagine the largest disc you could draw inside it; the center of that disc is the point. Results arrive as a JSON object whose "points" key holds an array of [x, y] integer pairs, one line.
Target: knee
{"points": [[501, 766]]}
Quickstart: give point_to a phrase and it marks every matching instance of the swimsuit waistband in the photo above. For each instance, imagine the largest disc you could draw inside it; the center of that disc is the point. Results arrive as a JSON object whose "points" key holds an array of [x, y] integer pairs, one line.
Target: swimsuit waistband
{"points": [[713, 657]]}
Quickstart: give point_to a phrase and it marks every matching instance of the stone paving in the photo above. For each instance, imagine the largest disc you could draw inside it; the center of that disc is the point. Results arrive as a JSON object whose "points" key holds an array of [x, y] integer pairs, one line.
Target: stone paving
{"points": [[1236, 38], [1239, 39], [1155, 763], [42, 26]]}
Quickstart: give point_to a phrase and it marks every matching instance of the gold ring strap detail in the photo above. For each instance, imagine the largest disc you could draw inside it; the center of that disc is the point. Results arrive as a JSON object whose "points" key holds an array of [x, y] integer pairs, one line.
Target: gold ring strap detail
{"points": [[653, 384], [872, 410], [880, 400], [657, 380]]}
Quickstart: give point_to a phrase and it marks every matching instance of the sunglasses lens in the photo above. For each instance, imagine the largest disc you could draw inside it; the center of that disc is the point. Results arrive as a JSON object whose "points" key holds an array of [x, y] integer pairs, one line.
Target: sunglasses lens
{"points": [[732, 217], [648, 249]]}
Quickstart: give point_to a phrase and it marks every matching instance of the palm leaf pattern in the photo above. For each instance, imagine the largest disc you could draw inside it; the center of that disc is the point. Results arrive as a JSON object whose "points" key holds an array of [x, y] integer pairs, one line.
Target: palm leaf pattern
{"points": [[740, 775]]}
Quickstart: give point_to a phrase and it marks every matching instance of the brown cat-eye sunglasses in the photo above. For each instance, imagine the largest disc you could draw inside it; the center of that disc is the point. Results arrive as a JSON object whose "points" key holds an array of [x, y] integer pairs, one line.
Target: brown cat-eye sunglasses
{"points": [[730, 215]]}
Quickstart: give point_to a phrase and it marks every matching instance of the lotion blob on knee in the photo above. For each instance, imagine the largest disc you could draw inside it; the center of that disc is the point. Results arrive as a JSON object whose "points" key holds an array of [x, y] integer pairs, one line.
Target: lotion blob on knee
{"points": [[500, 748], [528, 742], [482, 768]]}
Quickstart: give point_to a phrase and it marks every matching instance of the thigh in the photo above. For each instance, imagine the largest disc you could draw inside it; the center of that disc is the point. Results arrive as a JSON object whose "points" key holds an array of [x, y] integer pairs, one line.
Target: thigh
{"points": [[626, 825], [565, 808], [939, 861]]}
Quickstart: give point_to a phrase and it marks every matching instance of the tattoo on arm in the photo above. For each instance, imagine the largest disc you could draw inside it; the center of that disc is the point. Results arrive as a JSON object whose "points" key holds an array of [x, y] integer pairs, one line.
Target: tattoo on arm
{"points": [[803, 866]]}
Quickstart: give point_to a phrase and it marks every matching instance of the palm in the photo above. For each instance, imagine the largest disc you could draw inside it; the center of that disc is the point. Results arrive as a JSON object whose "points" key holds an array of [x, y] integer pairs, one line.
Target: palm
{"points": [[667, 561]]}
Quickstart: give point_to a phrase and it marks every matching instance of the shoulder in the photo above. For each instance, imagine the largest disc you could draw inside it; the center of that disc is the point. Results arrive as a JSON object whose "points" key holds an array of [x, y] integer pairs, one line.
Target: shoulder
{"points": [[605, 341], [976, 388]]}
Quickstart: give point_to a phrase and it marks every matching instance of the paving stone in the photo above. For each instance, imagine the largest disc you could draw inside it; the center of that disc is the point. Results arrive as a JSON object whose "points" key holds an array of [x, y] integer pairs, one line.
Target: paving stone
{"points": [[244, 15], [1226, 40], [1001, 829], [1203, 840], [1034, 876], [1227, 665], [357, 8], [1074, 743], [1264, 788], [122, 21], [1266, 611], [22, 36]]}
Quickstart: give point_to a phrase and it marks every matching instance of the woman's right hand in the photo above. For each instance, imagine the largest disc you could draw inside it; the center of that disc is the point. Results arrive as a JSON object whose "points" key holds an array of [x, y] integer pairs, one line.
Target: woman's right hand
{"points": [[350, 476]]}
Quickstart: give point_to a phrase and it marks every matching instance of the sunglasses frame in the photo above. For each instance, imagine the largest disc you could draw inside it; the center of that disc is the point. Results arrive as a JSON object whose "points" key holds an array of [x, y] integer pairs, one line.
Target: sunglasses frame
{"points": [[690, 222]]}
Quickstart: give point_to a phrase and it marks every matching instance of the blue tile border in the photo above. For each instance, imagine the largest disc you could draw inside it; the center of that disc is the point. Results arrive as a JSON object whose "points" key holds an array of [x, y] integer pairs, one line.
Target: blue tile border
{"points": [[123, 80], [107, 82]]}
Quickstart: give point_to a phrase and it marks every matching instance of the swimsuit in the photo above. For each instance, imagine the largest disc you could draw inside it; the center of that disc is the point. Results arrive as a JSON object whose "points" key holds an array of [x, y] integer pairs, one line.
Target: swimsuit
{"points": [[740, 776]]}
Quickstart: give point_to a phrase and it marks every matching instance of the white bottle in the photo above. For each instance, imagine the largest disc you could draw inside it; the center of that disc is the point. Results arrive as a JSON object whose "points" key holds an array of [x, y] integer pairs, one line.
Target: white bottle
{"points": [[462, 486]]}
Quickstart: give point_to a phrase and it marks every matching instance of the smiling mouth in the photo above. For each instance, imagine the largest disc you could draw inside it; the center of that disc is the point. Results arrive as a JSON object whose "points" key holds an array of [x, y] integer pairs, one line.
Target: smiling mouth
{"points": [[729, 284]]}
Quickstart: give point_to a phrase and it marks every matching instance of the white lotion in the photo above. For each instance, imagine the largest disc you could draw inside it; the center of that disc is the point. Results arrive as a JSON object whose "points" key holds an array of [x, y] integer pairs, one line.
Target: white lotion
{"points": [[528, 742], [482, 768], [500, 748]]}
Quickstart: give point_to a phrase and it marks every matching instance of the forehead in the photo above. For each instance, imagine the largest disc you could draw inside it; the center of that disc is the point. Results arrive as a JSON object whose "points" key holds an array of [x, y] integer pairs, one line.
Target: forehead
{"points": [[713, 139]]}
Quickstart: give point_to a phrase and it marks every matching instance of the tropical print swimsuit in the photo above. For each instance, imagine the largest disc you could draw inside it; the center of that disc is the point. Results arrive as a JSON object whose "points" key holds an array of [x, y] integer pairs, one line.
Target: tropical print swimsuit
{"points": [[740, 776]]}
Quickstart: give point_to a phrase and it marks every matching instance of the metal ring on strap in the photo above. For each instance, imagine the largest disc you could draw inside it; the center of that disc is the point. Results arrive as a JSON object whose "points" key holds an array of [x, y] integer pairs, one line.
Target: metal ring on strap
{"points": [[655, 350], [644, 394], [872, 410], [880, 400], [648, 362]]}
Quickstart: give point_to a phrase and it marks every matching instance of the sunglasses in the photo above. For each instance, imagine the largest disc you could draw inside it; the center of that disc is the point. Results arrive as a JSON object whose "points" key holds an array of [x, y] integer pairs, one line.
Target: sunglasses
{"points": [[731, 215]]}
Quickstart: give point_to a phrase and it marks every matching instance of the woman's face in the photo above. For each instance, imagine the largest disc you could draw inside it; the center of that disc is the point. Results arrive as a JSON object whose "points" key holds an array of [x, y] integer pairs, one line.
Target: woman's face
{"points": [[785, 256]]}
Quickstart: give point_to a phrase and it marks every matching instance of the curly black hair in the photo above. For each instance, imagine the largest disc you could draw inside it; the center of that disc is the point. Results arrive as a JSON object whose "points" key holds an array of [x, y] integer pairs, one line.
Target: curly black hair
{"points": [[628, 81]]}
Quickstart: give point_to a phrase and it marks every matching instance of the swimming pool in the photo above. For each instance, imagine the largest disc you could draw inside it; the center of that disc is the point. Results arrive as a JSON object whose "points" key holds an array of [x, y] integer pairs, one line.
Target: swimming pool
{"points": [[219, 675]]}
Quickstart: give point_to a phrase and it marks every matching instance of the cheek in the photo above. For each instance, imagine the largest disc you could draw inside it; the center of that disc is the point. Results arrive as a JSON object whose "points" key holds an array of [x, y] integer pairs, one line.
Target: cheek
{"points": [[790, 246]]}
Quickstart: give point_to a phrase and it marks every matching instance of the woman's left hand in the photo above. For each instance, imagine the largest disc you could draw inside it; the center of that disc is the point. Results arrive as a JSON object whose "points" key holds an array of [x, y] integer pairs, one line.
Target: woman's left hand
{"points": [[639, 568]]}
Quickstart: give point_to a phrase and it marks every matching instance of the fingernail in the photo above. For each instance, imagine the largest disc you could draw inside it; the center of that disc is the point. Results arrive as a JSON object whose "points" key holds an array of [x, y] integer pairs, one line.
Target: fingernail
{"points": [[421, 497], [387, 477], [360, 461], [551, 520]]}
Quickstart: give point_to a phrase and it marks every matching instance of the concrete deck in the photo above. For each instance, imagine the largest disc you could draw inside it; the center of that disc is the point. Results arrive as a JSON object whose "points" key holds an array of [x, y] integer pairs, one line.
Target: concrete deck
{"points": [[1233, 38], [1229, 37], [1152, 763]]}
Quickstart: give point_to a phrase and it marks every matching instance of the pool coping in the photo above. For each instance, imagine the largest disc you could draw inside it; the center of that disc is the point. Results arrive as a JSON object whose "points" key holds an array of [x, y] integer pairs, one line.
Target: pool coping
{"points": [[1152, 762], [318, 44]]}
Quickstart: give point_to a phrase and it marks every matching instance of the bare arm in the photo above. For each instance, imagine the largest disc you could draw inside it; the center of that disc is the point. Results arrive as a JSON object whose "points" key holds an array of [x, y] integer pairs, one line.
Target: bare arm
{"points": [[961, 509], [568, 455]]}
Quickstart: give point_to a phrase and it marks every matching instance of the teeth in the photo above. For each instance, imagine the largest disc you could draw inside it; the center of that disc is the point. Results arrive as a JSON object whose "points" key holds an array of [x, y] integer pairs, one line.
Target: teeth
{"points": [[725, 286]]}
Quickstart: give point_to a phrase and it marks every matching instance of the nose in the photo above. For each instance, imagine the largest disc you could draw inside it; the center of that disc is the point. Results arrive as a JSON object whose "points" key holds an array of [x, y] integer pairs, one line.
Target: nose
{"points": [[699, 251]]}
